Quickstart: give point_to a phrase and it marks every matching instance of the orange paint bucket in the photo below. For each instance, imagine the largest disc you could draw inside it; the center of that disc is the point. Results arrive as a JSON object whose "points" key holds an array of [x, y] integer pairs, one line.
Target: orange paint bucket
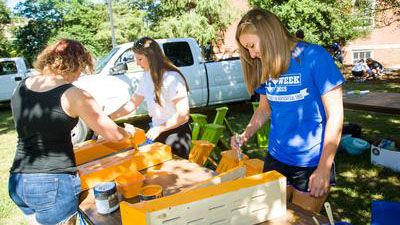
{"points": [[150, 192], [129, 183]]}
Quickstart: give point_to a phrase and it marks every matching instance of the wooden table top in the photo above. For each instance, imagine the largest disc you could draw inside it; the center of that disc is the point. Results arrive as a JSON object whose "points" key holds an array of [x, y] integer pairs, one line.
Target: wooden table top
{"points": [[174, 176], [374, 101]]}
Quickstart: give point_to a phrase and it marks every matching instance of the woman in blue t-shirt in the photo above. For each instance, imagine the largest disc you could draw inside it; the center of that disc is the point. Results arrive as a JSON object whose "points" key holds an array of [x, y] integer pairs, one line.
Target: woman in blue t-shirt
{"points": [[300, 92]]}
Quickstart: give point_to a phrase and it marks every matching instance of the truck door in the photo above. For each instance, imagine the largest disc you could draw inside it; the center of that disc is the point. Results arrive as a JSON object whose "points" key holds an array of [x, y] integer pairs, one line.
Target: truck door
{"points": [[9, 79], [181, 55], [131, 75]]}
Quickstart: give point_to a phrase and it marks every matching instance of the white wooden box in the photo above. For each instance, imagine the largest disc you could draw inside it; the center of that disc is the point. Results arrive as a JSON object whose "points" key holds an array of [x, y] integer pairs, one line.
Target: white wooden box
{"points": [[246, 201], [386, 158]]}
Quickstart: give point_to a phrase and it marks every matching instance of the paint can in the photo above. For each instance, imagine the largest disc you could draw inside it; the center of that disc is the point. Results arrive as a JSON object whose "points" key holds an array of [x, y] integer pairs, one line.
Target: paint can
{"points": [[150, 192], [106, 197]]}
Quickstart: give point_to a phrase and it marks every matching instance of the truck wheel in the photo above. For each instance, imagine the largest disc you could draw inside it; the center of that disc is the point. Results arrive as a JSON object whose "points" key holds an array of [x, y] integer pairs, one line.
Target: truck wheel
{"points": [[80, 133]]}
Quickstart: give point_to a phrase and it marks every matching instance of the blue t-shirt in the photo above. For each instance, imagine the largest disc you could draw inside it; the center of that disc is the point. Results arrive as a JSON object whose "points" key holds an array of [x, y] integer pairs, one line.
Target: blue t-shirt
{"points": [[298, 117]]}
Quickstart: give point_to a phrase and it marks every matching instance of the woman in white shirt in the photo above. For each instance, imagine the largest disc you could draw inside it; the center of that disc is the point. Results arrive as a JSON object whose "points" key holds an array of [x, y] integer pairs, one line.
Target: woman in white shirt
{"points": [[165, 90]]}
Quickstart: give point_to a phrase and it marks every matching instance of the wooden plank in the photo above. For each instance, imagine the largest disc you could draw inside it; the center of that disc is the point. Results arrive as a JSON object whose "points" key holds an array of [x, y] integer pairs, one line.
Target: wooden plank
{"points": [[232, 174], [109, 168], [90, 150], [374, 101]]}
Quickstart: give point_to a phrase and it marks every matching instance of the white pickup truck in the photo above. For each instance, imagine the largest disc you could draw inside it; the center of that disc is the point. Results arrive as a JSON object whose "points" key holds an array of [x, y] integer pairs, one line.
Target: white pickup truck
{"points": [[12, 71], [117, 77]]}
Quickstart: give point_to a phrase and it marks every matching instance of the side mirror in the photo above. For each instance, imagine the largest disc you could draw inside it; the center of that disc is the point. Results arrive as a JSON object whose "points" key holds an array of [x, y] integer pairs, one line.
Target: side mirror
{"points": [[128, 59], [119, 68]]}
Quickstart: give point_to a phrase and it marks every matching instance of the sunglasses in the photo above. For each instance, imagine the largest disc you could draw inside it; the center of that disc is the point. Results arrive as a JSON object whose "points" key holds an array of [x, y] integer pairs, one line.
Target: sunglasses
{"points": [[142, 43]]}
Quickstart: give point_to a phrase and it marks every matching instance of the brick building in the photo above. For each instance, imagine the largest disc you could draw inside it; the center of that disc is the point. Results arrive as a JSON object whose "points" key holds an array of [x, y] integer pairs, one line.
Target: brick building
{"points": [[382, 44]]}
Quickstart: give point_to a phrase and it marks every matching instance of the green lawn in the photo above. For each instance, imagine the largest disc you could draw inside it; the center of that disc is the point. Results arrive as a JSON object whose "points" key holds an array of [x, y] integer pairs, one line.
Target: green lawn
{"points": [[9, 213], [358, 180]]}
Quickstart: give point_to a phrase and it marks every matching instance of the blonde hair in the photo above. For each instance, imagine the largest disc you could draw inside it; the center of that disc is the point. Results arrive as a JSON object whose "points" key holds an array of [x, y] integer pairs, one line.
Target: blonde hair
{"points": [[158, 63], [65, 58], [275, 47]]}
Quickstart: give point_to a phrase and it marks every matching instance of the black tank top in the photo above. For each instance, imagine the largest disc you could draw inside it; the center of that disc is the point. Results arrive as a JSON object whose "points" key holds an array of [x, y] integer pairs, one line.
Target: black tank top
{"points": [[44, 131]]}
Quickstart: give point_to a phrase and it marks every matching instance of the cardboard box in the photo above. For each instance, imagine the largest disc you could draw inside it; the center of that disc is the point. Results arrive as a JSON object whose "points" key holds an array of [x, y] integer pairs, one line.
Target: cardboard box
{"points": [[386, 158]]}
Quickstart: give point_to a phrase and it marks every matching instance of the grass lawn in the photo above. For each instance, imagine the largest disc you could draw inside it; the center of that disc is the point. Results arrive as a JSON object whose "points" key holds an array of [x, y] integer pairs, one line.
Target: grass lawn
{"points": [[358, 180]]}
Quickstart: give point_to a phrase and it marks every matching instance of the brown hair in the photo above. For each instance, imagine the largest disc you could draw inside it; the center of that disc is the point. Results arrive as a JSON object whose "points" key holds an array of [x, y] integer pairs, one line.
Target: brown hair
{"points": [[64, 58], [275, 46], [158, 63]]}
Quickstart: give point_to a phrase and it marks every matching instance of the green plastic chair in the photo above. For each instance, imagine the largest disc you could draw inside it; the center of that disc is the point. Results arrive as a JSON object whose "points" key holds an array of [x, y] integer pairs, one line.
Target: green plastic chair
{"points": [[199, 118], [262, 134], [220, 119], [204, 131], [195, 131], [212, 133], [199, 121], [220, 116]]}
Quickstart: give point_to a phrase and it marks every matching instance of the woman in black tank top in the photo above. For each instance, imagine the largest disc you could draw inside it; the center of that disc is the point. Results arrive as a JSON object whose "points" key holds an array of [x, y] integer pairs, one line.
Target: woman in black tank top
{"points": [[43, 180]]}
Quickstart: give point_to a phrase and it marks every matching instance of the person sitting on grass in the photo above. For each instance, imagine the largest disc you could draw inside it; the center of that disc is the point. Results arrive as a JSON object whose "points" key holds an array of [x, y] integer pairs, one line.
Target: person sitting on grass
{"points": [[359, 69], [376, 69]]}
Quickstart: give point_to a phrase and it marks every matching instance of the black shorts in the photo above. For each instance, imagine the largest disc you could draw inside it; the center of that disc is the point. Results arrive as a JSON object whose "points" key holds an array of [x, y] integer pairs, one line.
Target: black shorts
{"points": [[180, 140], [357, 73], [296, 176]]}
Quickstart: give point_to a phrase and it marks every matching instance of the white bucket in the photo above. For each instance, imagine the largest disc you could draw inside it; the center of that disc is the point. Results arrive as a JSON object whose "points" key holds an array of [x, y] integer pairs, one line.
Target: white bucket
{"points": [[106, 197]]}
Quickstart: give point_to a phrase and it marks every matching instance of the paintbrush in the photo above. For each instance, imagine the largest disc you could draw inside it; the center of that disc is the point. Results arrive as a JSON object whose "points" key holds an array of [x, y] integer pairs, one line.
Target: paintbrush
{"points": [[240, 154], [328, 210]]}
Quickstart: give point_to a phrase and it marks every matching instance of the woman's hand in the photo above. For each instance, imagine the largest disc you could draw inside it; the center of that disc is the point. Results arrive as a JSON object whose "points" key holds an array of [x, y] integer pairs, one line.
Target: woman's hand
{"points": [[234, 142], [153, 133], [130, 129], [318, 184]]}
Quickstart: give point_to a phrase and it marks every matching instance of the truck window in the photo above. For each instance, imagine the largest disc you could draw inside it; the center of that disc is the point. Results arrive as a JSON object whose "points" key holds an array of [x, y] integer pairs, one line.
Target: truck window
{"points": [[179, 53], [8, 67], [128, 58], [102, 61], [27, 64]]}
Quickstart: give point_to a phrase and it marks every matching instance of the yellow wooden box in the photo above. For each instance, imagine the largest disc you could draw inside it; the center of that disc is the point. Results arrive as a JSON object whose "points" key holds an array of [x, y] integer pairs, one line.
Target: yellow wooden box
{"points": [[91, 150], [249, 200], [110, 167]]}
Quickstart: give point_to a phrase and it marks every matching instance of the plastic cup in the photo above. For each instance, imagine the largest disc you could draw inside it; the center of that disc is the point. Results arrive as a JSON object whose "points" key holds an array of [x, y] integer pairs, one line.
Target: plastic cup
{"points": [[130, 183]]}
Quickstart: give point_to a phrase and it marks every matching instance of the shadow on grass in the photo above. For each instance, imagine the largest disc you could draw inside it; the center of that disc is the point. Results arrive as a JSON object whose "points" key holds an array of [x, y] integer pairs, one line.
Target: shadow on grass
{"points": [[6, 119], [388, 86], [358, 181]]}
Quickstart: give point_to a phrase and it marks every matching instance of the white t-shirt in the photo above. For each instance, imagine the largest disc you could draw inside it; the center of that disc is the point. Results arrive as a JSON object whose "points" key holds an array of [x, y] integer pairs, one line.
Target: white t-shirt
{"points": [[173, 87]]}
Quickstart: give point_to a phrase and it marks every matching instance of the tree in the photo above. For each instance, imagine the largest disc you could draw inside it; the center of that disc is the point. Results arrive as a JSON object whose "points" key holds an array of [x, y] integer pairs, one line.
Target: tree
{"points": [[44, 21], [4, 20], [391, 6], [323, 21], [201, 19], [82, 21], [88, 22]]}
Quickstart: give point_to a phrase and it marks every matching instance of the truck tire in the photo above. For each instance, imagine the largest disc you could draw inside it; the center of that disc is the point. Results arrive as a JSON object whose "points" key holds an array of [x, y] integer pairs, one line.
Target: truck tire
{"points": [[80, 133]]}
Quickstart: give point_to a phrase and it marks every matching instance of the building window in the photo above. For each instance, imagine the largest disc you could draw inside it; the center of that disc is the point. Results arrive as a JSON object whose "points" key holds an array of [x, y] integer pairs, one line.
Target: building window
{"points": [[362, 54], [364, 10]]}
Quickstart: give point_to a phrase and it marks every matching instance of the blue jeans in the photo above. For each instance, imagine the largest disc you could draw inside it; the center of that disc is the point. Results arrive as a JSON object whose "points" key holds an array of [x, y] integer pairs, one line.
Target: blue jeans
{"points": [[52, 198]]}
